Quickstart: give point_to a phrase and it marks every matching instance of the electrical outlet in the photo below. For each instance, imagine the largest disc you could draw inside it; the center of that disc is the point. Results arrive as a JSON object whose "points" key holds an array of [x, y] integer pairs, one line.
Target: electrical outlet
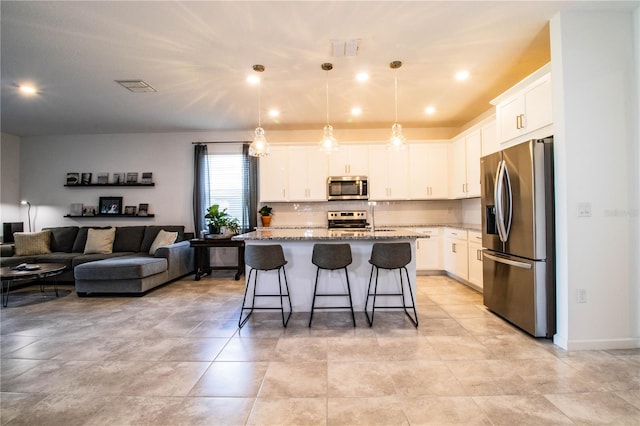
{"points": [[584, 209], [581, 295]]}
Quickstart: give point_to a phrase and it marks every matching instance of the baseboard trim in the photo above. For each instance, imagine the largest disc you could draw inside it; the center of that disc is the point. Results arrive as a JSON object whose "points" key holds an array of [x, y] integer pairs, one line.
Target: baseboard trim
{"points": [[601, 344]]}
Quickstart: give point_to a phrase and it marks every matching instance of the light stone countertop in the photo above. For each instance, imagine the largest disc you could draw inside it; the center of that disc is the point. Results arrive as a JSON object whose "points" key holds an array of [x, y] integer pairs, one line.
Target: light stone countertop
{"points": [[302, 234]]}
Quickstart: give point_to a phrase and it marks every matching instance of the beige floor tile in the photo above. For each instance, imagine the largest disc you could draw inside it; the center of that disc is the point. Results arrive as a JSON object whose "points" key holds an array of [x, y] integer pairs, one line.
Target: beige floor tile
{"points": [[301, 349], [210, 411], [596, 409], [346, 349], [195, 349], [425, 378], [385, 411], [521, 410], [443, 411], [402, 349], [295, 380], [359, 379], [489, 377], [632, 397], [248, 349], [289, 411], [459, 347], [231, 379], [442, 327]]}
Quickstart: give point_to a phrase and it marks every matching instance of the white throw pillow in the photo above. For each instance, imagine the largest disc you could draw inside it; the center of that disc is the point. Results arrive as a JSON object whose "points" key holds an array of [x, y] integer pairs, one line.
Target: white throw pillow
{"points": [[31, 243], [100, 241], [163, 238]]}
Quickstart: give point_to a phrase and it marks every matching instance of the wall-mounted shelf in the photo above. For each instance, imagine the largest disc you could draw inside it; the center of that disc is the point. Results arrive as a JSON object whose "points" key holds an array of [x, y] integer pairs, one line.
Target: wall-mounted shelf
{"points": [[109, 216], [110, 185]]}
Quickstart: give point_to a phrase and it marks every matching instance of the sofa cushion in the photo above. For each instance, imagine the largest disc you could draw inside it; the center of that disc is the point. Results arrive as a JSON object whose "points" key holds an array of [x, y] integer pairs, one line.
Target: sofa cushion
{"points": [[128, 238], [62, 238], [100, 241], [30, 243], [84, 258], [163, 238], [152, 231], [58, 257], [121, 268], [81, 238]]}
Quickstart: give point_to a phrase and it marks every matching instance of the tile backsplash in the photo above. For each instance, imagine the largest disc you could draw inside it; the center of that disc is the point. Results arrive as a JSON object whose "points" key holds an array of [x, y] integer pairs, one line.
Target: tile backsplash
{"points": [[386, 213]]}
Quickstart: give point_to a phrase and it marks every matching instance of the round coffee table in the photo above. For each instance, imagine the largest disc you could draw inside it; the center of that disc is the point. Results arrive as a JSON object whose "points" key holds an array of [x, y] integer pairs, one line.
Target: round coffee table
{"points": [[9, 275]]}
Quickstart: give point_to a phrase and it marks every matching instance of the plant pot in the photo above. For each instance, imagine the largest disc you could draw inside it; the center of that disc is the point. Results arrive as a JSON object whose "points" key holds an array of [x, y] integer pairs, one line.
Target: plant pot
{"points": [[266, 221], [214, 229]]}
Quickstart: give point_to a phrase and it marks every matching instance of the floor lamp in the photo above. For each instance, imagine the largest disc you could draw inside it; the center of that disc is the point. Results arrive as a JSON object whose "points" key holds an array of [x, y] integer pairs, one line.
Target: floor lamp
{"points": [[23, 202]]}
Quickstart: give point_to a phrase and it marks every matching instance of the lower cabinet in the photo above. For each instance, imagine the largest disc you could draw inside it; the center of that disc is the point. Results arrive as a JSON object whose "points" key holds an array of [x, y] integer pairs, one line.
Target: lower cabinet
{"points": [[429, 250], [456, 257], [475, 258]]}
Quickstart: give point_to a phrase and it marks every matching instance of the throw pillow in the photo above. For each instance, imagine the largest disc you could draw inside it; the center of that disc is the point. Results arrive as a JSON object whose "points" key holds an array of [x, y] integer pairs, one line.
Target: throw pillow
{"points": [[163, 238], [100, 241], [30, 243]]}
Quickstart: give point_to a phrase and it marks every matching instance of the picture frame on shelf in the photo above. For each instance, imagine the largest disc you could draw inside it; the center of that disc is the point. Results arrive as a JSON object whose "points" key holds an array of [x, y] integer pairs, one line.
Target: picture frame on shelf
{"points": [[85, 178], [130, 210], [73, 178], [143, 209], [76, 209], [147, 177], [89, 210], [118, 178], [102, 179], [132, 177], [110, 205]]}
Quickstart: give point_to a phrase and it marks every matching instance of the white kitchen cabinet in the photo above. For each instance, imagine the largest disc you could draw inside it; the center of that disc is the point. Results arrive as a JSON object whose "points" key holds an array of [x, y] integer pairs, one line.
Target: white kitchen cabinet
{"points": [[456, 257], [388, 173], [307, 174], [428, 168], [274, 178], [464, 175], [489, 138], [429, 250], [475, 258], [525, 110], [349, 160]]}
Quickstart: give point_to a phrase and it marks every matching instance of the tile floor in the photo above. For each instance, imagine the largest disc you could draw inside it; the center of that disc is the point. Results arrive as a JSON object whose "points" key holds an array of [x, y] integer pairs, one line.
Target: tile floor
{"points": [[176, 357]]}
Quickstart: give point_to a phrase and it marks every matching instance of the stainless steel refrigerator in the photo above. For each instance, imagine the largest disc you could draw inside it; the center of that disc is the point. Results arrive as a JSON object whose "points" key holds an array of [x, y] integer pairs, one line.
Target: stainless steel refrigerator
{"points": [[518, 235]]}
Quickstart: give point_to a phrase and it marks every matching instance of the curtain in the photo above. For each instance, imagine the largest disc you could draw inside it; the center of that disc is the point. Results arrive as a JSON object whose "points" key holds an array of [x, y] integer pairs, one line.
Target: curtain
{"points": [[250, 186], [200, 182]]}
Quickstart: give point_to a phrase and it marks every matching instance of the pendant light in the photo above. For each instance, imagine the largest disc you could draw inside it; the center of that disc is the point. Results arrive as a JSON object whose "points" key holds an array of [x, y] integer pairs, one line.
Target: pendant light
{"points": [[259, 147], [397, 140], [328, 142]]}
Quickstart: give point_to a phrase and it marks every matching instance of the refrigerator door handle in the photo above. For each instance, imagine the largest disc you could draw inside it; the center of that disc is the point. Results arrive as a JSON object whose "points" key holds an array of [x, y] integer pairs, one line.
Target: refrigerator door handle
{"points": [[507, 181], [507, 261], [497, 196]]}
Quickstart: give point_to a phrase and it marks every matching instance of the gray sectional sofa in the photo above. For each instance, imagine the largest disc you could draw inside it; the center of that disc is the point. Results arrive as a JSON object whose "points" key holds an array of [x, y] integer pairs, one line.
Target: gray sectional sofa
{"points": [[129, 268]]}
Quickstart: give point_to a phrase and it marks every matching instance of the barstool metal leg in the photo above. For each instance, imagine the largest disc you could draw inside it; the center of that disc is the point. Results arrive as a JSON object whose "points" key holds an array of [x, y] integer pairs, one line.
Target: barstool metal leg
{"points": [[353, 315], [241, 322], [413, 319], [315, 291], [284, 272]]}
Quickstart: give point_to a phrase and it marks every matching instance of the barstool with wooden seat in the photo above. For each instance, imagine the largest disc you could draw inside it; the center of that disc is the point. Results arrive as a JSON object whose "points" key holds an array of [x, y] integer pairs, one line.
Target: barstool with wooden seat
{"points": [[265, 258], [390, 256], [331, 257]]}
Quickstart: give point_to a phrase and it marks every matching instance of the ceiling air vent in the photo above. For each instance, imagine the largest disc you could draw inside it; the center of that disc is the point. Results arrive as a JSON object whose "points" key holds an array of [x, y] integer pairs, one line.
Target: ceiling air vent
{"points": [[343, 47], [136, 86]]}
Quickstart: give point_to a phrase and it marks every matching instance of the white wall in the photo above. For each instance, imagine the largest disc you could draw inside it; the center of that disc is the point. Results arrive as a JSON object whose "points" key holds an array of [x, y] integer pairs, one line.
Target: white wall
{"points": [[596, 143], [10, 209]]}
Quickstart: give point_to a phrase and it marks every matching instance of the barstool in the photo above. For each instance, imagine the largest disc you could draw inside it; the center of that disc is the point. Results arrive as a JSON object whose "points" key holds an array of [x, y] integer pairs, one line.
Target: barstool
{"points": [[331, 257], [265, 258], [391, 256]]}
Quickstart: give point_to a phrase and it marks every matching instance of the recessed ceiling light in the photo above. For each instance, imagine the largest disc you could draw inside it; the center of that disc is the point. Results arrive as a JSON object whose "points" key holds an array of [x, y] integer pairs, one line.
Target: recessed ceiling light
{"points": [[356, 111], [27, 89], [462, 75], [274, 113], [430, 110], [362, 76]]}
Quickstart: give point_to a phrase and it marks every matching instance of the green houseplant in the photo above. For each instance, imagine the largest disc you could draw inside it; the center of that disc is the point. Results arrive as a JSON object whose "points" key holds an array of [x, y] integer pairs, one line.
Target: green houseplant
{"points": [[265, 215], [217, 219]]}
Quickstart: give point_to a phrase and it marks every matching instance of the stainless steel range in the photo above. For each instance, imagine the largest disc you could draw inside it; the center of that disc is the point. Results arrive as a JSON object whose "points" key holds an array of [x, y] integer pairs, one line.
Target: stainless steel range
{"points": [[356, 219]]}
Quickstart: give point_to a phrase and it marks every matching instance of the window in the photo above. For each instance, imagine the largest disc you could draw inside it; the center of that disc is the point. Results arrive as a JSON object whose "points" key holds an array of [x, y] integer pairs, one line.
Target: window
{"points": [[225, 185]]}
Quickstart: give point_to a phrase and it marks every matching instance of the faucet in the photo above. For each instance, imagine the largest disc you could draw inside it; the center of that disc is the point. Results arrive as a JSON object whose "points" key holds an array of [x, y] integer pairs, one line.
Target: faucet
{"points": [[372, 205]]}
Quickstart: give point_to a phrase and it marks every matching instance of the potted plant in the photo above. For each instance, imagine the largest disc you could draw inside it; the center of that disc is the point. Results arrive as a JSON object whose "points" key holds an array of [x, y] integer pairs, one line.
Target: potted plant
{"points": [[265, 215], [218, 219]]}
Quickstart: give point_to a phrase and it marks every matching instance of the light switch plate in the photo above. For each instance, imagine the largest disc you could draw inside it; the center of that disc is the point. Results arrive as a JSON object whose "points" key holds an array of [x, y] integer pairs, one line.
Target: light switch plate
{"points": [[584, 209]]}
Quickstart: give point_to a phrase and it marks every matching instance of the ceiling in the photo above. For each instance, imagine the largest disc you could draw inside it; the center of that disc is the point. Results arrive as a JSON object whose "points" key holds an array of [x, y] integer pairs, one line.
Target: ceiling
{"points": [[197, 55]]}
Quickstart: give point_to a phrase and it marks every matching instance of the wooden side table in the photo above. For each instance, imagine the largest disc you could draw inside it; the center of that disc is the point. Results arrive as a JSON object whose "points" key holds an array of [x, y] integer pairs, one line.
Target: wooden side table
{"points": [[202, 246]]}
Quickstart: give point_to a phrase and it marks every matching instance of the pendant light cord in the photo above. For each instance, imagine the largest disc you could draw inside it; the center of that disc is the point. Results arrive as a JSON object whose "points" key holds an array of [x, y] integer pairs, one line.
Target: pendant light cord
{"points": [[327, 96], [396, 90], [259, 98]]}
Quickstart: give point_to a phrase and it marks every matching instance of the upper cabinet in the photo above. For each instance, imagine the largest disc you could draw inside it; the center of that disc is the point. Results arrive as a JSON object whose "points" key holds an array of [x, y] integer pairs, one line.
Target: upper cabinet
{"points": [[464, 171], [388, 174], [274, 176], [349, 160], [308, 170], [428, 166], [489, 138], [525, 108]]}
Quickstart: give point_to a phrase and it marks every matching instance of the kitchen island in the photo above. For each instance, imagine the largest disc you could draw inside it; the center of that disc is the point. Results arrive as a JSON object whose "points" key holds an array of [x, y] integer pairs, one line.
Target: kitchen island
{"points": [[297, 244]]}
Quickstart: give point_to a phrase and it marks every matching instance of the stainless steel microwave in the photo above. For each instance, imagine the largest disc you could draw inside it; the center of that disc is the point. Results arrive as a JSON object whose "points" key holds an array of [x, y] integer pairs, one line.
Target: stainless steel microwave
{"points": [[347, 188]]}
